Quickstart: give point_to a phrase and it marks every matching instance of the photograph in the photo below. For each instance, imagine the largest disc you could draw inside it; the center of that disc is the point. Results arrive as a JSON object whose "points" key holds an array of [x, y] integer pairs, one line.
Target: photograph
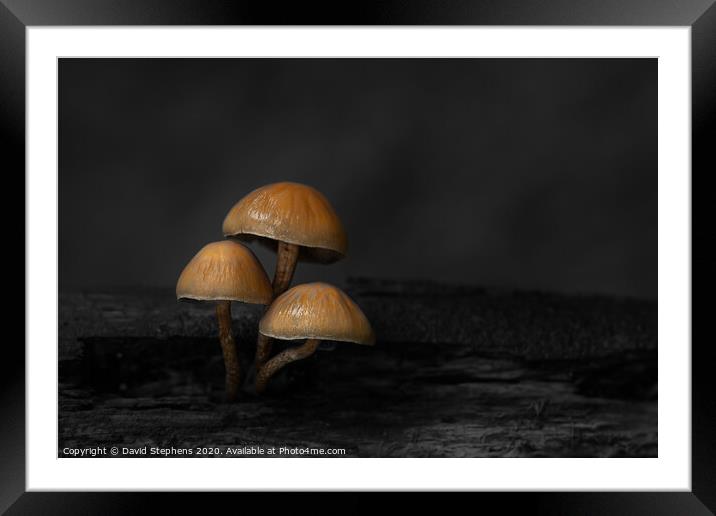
{"points": [[357, 257], [449, 249], [446, 248]]}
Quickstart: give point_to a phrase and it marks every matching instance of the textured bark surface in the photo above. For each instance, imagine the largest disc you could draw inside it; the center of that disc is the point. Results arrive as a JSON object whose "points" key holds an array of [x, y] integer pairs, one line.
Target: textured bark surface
{"points": [[455, 372]]}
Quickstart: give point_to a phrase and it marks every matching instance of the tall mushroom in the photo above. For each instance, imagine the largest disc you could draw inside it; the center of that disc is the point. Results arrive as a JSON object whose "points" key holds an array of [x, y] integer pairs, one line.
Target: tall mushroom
{"points": [[296, 221], [315, 312], [225, 271]]}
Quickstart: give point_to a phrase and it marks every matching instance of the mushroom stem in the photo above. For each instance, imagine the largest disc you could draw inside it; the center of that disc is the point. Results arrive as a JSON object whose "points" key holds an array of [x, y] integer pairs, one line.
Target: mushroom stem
{"points": [[285, 357], [285, 267], [263, 351], [228, 346]]}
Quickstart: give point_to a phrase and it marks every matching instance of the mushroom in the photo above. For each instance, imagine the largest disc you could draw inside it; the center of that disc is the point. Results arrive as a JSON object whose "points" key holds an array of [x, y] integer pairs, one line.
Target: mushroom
{"points": [[315, 312], [296, 221], [225, 271]]}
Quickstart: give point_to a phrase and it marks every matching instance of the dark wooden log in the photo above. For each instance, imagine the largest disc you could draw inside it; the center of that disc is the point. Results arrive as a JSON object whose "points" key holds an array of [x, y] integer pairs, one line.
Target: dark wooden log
{"points": [[455, 372]]}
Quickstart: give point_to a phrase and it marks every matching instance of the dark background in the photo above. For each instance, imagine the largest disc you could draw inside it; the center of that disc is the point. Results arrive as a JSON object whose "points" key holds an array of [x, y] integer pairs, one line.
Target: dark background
{"points": [[526, 173]]}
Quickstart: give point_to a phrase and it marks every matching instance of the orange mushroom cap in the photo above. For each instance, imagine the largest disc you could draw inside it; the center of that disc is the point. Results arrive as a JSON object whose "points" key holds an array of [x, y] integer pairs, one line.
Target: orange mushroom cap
{"points": [[316, 311], [226, 271], [291, 213]]}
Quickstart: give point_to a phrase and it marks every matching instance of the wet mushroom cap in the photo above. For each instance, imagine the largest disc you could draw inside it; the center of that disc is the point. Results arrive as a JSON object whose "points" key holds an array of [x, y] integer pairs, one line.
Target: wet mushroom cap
{"points": [[316, 311], [225, 271], [291, 213]]}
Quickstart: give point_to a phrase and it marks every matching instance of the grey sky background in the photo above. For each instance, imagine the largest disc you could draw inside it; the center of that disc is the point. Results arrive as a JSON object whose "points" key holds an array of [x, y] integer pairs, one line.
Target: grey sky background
{"points": [[521, 173]]}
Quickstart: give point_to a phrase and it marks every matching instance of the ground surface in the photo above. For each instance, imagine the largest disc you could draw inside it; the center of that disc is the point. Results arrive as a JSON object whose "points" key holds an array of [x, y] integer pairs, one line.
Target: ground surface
{"points": [[456, 372]]}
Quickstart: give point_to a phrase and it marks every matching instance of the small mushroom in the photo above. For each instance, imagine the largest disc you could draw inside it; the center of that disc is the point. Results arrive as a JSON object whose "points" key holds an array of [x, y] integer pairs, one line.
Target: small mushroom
{"points": [[315, 312], [296, 221], [225, 271]]}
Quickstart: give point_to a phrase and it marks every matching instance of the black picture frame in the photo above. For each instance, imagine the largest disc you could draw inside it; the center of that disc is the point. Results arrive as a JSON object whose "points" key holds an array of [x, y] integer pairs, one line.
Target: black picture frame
{"points": [[16, 15]]}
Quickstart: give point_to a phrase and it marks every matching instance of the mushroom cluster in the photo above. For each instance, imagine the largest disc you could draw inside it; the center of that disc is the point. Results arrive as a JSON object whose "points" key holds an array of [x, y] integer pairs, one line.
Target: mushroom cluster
{"points": [[298, 223]]}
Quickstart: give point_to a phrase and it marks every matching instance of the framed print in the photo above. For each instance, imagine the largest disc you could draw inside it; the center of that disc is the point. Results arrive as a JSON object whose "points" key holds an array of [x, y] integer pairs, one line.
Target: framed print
{"points": [[413, 251]]}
